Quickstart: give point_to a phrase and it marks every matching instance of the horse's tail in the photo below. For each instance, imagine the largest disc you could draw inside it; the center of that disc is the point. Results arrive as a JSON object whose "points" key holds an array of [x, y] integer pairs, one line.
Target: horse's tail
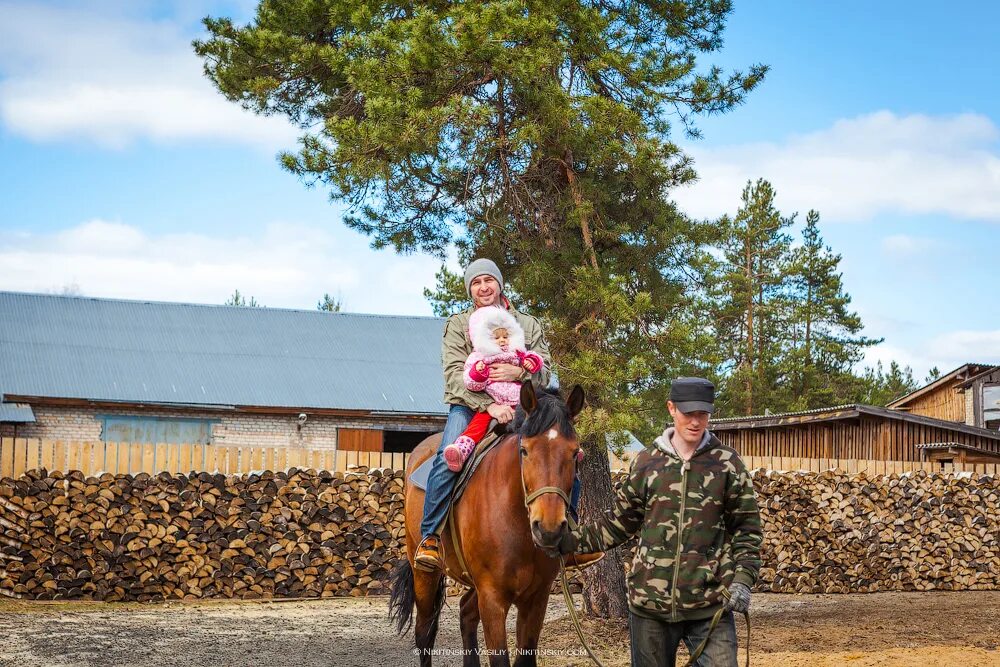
{"points": [[402, 595]]}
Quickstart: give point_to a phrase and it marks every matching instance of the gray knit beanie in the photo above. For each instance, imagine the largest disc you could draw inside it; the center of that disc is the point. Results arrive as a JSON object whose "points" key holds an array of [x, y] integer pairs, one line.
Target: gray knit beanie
{"points": [[481, 267]]}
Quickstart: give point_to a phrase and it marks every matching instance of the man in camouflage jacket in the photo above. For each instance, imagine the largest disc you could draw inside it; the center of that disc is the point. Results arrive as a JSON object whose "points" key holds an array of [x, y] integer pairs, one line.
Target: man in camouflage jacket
{"points": [[691, 501]]}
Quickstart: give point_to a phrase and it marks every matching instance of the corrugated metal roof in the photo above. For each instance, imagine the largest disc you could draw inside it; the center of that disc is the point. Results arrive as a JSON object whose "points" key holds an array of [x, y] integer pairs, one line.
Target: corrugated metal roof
{"points": [[175, 353], [843, 412], [13, 413], [779, 415]]}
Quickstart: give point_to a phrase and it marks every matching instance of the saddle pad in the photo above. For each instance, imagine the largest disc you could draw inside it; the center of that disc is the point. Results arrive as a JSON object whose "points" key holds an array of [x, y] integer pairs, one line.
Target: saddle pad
{"points": [[419, 476]]}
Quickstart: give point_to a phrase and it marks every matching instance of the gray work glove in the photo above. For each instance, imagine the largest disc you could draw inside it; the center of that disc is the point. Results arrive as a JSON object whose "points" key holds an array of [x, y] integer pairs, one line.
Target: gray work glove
{"points": [[739, 598], [567, 545]]}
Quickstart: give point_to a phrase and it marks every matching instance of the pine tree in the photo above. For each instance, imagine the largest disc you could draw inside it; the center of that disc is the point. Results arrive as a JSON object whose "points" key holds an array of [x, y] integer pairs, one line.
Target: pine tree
{"points": [[330, 304], [880, 387], [534, 133], [238, 299], [448, 296], [751, 296], [826, 341]]}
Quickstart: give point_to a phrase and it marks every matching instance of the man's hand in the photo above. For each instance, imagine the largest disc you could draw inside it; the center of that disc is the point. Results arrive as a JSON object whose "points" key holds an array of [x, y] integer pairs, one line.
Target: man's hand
{"points": [[502, 413], [739, 598], [508, 372], [566, 545]]}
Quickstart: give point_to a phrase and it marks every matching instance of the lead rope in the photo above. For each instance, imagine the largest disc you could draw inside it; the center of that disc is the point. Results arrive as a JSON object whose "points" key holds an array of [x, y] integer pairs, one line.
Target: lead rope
{"points": [[572, 612], [711, 628]]}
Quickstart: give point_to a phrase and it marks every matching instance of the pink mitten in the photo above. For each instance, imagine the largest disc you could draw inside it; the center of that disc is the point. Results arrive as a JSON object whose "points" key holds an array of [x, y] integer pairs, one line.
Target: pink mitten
{"points": [[530, 361], [480, 372]]}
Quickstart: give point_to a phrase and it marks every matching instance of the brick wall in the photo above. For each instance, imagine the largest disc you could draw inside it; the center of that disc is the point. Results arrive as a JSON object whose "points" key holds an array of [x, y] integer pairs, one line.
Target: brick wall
{"points": [[233, 429]]}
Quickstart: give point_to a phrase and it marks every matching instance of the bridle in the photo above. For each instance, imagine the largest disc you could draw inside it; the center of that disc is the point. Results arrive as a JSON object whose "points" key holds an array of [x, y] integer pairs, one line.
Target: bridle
{"points": [[538, 493]]}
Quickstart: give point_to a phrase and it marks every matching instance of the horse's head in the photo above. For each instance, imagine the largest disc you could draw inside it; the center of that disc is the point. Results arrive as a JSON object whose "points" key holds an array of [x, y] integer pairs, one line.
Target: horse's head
{"points": [[549, 454]]}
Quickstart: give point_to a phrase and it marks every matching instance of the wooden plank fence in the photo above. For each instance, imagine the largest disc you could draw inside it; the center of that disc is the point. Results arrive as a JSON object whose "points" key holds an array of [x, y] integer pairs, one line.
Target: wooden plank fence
{"points": [[870, 467], [19, 455]]}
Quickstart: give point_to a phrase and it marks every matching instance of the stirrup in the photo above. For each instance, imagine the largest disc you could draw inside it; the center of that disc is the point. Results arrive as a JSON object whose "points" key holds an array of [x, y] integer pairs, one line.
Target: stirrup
{"points": [[428, 558]]}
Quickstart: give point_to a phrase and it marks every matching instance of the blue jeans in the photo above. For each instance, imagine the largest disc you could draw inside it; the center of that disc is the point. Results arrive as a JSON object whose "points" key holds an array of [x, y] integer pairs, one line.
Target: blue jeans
{"points": [[441, 479], [654, 643]]}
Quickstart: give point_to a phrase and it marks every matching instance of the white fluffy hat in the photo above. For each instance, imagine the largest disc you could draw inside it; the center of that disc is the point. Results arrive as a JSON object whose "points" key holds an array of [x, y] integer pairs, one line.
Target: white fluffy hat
{"points": [[484, 321]]}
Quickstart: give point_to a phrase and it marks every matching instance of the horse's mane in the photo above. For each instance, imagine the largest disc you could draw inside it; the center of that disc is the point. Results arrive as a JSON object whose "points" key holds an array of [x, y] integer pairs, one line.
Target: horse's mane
{"points": [[551, 410]]}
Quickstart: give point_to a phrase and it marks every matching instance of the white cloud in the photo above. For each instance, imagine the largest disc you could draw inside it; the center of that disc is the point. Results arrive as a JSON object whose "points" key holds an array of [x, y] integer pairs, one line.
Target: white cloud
{"points": [[113, 78], [862, 167], [904, 246], [286, 265], [947, 351]]}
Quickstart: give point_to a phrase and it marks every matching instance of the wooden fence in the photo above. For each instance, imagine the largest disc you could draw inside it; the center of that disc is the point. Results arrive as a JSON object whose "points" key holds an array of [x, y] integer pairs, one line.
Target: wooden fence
{"points": [[871, 467], [19, 455]]}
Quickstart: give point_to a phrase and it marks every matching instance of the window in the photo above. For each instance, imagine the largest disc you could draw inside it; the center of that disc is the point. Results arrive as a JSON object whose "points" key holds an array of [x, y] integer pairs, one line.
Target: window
{"points": [[126, 428], [991, 406]]}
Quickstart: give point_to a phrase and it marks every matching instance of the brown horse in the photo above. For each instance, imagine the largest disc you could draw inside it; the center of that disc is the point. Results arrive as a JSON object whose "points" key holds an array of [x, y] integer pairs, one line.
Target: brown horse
{"points": [[501, 536]]}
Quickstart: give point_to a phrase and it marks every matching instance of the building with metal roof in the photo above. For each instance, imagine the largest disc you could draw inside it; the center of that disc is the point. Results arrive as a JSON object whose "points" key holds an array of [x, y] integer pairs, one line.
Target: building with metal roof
{"points": [[88, 368], [948, 397]]}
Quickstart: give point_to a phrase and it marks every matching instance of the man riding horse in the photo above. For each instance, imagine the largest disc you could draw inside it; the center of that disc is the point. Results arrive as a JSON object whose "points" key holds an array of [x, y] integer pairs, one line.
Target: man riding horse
{"points": [[484, 285]]}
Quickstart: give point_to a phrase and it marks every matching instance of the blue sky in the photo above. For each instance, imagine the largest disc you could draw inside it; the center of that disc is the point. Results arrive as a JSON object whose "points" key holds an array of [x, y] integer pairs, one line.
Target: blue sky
{"points": [[124, 174]]}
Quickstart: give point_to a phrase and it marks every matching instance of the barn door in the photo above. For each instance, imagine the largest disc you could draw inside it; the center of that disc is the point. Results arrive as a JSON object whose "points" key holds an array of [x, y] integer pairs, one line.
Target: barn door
{"points": [[359, 439]]}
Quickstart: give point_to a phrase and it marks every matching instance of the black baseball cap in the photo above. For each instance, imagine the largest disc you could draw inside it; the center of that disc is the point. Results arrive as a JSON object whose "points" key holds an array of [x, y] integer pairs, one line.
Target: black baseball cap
{"points": [[693, 395]]}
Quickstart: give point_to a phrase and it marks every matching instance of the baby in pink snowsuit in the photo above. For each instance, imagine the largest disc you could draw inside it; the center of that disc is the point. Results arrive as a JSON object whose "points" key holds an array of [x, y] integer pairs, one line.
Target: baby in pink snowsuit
{"points": [[496, 338]]}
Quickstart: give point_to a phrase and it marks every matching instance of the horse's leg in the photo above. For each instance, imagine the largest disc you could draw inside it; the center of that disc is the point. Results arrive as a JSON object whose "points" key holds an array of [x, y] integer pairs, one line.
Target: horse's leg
{"points": [[493, 610], [469, 625], [530, 617], [429, 591]]}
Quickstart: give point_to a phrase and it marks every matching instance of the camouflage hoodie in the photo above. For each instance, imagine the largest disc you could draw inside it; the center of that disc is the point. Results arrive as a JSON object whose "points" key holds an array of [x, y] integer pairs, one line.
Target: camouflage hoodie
{"points": [[698, 525]]}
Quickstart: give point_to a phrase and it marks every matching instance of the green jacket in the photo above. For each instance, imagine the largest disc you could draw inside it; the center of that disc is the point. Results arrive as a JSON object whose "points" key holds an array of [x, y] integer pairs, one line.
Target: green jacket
{"points": [[457, 346], [698, 524]]}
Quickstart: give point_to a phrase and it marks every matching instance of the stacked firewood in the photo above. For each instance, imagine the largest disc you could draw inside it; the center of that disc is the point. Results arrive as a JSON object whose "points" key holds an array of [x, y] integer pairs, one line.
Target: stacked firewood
{"points": [[274, 534], [832, 532], [303, 533]]}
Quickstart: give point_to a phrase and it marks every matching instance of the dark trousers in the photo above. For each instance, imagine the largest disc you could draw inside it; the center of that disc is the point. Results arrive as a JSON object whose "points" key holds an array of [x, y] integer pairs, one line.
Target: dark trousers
{"points": [[654, 643]]}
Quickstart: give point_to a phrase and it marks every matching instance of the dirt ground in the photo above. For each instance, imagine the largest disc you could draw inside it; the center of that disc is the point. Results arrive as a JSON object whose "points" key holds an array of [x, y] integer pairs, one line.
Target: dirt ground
{"points": [[901, 629]]}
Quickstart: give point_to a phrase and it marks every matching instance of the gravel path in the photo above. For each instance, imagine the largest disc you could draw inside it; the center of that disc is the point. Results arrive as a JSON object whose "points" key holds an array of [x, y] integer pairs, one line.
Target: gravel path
{"points": [[883, 630], [341, 632]]}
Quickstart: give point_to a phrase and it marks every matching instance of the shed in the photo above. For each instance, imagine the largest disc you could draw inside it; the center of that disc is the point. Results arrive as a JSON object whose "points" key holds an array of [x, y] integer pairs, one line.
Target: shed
{"points": [[943, 398], [87, 369], [849, 432]]}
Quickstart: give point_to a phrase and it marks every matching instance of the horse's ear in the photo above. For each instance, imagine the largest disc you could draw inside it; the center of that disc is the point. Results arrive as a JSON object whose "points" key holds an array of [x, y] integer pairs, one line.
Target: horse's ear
{"points": [[528, 399], [576, 400]]}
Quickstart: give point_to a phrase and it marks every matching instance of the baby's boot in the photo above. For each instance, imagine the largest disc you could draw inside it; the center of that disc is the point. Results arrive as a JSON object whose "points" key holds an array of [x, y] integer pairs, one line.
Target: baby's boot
{"points": [[456, 453]]}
